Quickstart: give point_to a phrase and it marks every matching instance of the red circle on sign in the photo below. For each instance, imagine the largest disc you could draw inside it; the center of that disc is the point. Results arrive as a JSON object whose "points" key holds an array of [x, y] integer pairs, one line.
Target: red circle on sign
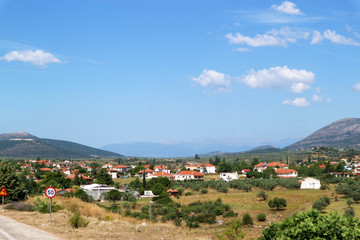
{"points": [[50, 192]]}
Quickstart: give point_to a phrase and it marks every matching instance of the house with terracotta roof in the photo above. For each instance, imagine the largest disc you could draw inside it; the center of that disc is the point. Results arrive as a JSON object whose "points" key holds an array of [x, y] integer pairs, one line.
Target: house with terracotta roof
{"points": [[120, 168], [286, 173], [45, 169], [191, 167], [162, 174], [207, 168], [189, 175], [107, 166], [172, 193], [260, 167], [147, 172], [161, 168]]}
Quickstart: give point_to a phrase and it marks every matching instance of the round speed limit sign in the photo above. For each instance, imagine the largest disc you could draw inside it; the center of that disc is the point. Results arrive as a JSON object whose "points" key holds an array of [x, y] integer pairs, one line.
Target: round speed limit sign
{"points": [[50, 192]]}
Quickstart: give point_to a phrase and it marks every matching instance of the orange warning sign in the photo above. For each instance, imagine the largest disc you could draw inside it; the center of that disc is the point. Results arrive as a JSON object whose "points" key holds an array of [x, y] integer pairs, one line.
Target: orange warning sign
{"points": [[3, 192]]}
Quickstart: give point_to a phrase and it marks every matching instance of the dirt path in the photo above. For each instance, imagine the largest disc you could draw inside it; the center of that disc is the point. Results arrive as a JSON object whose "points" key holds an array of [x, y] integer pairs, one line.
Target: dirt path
{"points": [[13, 230]]}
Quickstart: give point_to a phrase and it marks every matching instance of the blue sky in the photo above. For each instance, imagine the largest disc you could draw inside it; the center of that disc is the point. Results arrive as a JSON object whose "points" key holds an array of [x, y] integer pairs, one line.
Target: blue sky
{"points": [[240, 72]]}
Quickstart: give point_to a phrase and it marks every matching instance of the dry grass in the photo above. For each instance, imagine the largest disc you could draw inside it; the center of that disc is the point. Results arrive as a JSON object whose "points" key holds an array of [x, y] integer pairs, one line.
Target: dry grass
{"points": [[121, 227]]}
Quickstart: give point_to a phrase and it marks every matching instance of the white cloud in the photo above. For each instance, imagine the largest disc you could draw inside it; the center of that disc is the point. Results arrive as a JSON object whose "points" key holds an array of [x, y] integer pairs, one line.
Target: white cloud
{"points": [[297, 102], [275, 37], [357, 87], [316, 98], [38, 57], [288, 8], [213, 79], [339, 39], [280, 77], [328, 100], [317, 37]]}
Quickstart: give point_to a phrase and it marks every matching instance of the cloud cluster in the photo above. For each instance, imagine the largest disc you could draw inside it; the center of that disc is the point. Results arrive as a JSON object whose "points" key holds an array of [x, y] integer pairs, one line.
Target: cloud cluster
{"points": [[214, 80], [275, 37], [285, 35], [280, 77], [288, 8], [333, 37], [37, 57], [297, 102]]}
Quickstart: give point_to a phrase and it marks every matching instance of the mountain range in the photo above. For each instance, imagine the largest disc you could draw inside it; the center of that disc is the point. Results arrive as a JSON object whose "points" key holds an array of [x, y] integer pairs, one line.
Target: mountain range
{"points": [[338, 134], [344, 133], [25, 145]]}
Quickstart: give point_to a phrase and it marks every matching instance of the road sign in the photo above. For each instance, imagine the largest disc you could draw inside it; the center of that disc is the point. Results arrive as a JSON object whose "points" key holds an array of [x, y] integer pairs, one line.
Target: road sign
{"points": [[50, 192], [3, 192]]}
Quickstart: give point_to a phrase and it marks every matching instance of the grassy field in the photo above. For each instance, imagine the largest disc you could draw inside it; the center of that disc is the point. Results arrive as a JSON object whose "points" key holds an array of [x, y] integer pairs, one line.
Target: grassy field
{"points": [[115, 226]]}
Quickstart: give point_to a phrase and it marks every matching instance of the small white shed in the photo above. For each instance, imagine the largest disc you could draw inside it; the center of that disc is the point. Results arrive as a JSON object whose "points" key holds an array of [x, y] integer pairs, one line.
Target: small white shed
{"points": [[310, 183]]}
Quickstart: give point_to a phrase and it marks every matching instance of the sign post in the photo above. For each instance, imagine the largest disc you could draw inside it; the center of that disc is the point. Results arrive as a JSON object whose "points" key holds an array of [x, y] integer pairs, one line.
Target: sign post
{"points": [[50, 192], [3, 193]]}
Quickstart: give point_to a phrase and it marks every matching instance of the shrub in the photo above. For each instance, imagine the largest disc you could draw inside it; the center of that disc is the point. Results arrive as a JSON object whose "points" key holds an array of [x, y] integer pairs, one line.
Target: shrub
{"points": [[77, 221], [261, 217], [277, 203], [314, 225], [349, 212], [319, 205], [262, 195], [43, 206], [188, 193], [247, 219], [326, 199], [20, 206], [232, 231], [204, 191], [230, 213]]}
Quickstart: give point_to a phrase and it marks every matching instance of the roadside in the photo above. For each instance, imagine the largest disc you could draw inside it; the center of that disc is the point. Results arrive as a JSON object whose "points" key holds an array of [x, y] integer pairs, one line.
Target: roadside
{"points": [[14, 230]]}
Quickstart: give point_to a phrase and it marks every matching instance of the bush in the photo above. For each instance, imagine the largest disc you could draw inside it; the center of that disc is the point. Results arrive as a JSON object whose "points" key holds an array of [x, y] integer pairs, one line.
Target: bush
{"points": [[77, 221], [277, 203], [261, 217], [43, 206], [262, 195], [204, 191], [319, 205], [230, 213], [247, 219], [20, 206], [314, 225], [349, 212], [188, 193]]}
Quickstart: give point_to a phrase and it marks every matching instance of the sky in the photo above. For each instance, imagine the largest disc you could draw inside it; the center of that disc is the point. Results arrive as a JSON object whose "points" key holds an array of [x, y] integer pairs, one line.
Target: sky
{"points": [[98, 72]]}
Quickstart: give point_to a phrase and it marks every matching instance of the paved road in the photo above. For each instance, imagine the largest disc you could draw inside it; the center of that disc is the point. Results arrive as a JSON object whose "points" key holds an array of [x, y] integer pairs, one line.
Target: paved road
{"points": [[13, 230]]}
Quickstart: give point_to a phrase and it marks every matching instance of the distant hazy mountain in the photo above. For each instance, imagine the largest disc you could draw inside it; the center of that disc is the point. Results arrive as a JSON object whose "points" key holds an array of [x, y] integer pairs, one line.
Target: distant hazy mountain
{"points": [[25, 145], [185, 149], [342, 133]]}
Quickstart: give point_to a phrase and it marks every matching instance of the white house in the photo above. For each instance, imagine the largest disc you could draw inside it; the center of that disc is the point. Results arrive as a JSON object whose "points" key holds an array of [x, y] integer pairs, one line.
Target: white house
{"points": [[286, 173], [229, 176], [310, 183], [188, 175], [96, 190], [207, 168]]}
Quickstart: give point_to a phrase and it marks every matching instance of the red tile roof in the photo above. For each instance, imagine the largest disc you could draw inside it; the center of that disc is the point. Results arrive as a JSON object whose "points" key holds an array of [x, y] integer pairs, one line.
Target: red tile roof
{"points": [[274, 164], [45, 169], [195, 173], [284, 171]]}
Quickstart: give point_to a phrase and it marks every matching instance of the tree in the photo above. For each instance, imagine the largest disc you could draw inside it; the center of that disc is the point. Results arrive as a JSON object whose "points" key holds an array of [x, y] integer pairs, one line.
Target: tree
{"points": [[262, 195], [247, 219], [269, 172], [55, 179], [113, 195], [103, 177], [157, 188], [255, 161], [349, 202], [232, 231], [277, 203], [344, 189], [356, 195], [76, 180], [319, 205], [314, 225], [8, 178], [349, 212]]}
